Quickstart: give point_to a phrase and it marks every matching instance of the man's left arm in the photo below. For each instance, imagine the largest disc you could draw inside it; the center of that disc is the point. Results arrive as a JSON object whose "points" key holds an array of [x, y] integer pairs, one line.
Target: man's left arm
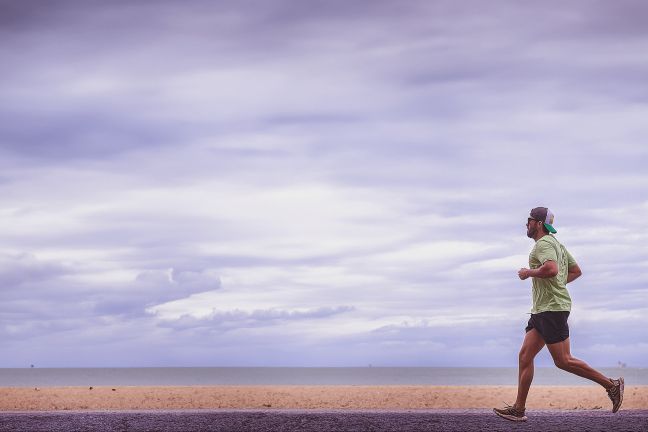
{"points": [[573, 272]]}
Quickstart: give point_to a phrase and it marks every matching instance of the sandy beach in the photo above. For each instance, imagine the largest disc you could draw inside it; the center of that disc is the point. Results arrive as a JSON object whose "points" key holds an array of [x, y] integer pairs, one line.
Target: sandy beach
{"points": [[309, 397]]}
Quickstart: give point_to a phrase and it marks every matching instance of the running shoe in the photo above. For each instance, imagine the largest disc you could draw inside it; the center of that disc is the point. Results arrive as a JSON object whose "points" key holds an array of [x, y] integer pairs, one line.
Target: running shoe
{"points": [[616, 394], [510, 413]]}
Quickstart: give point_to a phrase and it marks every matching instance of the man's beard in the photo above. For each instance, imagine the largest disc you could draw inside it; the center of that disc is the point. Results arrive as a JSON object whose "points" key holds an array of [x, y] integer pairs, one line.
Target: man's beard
{"points": [[531, 232]]}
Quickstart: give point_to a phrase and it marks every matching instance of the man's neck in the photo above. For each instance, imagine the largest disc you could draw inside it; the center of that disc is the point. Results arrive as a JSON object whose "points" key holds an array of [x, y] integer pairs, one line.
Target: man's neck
{"points": [[539, 236]]}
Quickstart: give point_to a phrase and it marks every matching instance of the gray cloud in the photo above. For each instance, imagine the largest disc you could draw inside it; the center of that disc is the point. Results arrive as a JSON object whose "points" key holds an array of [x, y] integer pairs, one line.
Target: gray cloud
{"points": [[237, 319], [18, 269], [153, 287]]}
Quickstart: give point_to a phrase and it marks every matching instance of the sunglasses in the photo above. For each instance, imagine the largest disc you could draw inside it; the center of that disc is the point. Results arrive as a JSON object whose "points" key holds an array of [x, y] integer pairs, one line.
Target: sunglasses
{"points": [[531, 219]]}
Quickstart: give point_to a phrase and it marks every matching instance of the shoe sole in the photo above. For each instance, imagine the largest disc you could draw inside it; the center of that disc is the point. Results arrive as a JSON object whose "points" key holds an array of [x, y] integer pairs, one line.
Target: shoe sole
{"points": [[621, 385], [510, 417]]}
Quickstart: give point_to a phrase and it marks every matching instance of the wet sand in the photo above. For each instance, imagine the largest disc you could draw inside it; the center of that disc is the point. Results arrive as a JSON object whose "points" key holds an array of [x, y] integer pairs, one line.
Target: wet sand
{"points": [[311, 397]]}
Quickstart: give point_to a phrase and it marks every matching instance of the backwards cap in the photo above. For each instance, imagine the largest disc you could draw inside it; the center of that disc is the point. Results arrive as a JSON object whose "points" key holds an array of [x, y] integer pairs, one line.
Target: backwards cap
{"points": [[544, 215]]}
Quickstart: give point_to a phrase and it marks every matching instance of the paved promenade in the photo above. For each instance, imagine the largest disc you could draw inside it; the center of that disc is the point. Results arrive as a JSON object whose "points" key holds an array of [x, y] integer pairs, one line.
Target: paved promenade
{"points": [[319, 420]]}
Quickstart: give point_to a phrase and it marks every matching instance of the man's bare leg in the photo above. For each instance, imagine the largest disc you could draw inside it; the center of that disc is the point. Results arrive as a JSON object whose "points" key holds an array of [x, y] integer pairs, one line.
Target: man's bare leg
{"points": [[531, 346], [565, 361]]}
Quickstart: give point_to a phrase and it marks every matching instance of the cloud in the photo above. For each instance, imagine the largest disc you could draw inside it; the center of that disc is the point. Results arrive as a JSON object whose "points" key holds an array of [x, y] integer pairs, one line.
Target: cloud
{"points": [[22, 268], [237, 319], [153, 287]]}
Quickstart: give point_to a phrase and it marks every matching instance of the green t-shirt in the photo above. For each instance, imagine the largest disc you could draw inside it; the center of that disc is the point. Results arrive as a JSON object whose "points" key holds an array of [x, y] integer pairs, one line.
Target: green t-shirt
{"points": [[551, 294]]}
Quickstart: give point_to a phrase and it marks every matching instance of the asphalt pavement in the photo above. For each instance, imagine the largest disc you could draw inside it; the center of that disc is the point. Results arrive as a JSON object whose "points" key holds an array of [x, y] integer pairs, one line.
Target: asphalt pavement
{"points": [[320, 420]]}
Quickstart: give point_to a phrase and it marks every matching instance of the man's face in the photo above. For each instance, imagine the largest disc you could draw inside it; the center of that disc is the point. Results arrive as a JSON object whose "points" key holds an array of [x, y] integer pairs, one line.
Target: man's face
{"points": [[533, 226]]}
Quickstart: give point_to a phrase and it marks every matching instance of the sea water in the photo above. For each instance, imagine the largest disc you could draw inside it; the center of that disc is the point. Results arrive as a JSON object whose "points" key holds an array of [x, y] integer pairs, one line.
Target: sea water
{"points": [[208, 376]]}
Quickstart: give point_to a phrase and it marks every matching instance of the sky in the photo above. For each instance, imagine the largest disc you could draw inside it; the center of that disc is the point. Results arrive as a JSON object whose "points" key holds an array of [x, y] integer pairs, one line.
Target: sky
{"points": [[316, 183]]}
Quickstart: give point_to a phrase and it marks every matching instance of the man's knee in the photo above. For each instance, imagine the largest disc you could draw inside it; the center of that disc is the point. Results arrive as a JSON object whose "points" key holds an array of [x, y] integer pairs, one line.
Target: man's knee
{"points": [[561, 362], [525, 356]]}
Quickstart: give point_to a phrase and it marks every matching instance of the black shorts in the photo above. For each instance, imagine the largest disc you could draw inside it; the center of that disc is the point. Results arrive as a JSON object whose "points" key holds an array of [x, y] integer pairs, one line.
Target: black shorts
{"points": [[552, 326]]}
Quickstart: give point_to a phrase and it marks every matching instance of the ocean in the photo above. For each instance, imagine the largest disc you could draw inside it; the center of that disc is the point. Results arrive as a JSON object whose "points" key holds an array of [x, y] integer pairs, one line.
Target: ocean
{"points": [[206, 376]]}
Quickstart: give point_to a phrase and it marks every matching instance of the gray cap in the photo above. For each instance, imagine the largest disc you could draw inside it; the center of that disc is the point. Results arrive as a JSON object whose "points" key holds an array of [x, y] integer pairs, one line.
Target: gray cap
{"points": [[544, 215]]}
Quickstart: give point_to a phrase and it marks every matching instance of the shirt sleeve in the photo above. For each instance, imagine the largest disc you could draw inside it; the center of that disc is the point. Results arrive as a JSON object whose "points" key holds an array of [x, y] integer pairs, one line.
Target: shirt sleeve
{"points": [[546, 252]]}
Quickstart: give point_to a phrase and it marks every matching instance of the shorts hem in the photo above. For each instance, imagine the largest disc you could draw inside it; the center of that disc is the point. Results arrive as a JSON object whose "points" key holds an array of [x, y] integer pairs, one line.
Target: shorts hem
{"points": [[556, 341]]}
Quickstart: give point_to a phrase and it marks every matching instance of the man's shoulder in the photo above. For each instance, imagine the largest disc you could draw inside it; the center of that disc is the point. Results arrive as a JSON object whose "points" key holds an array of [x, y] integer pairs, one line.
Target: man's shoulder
{"points": [[547, 244], [549, 239]]}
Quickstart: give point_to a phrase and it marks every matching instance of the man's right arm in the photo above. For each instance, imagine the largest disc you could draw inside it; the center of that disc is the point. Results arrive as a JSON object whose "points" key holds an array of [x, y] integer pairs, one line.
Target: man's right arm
{"points": [[573, 272]]}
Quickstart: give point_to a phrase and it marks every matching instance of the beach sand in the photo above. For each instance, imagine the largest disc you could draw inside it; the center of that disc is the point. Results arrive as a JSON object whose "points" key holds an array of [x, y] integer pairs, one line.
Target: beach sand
{"points": [[309, 397]]}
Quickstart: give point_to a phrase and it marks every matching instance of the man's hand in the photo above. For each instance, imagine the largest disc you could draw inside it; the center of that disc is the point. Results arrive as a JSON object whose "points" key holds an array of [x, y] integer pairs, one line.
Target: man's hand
{"points": [[523, 273]]}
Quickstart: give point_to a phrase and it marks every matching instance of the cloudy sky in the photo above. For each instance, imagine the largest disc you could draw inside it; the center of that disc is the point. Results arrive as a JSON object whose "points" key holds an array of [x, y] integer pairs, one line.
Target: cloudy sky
{"points": [[316, 183]]}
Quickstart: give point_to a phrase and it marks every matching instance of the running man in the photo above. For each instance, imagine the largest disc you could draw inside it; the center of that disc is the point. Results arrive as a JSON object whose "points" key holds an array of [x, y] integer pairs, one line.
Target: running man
{"points": [[552, 268]]}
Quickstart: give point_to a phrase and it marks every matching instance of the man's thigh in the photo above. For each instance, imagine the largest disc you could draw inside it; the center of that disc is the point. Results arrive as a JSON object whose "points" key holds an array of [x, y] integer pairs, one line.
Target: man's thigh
{"points": [[532, 344], [560, 351]]}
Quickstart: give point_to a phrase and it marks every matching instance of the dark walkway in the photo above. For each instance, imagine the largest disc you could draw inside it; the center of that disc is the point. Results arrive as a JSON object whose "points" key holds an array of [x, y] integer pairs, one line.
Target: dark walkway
{"points": [[319, 420]]}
